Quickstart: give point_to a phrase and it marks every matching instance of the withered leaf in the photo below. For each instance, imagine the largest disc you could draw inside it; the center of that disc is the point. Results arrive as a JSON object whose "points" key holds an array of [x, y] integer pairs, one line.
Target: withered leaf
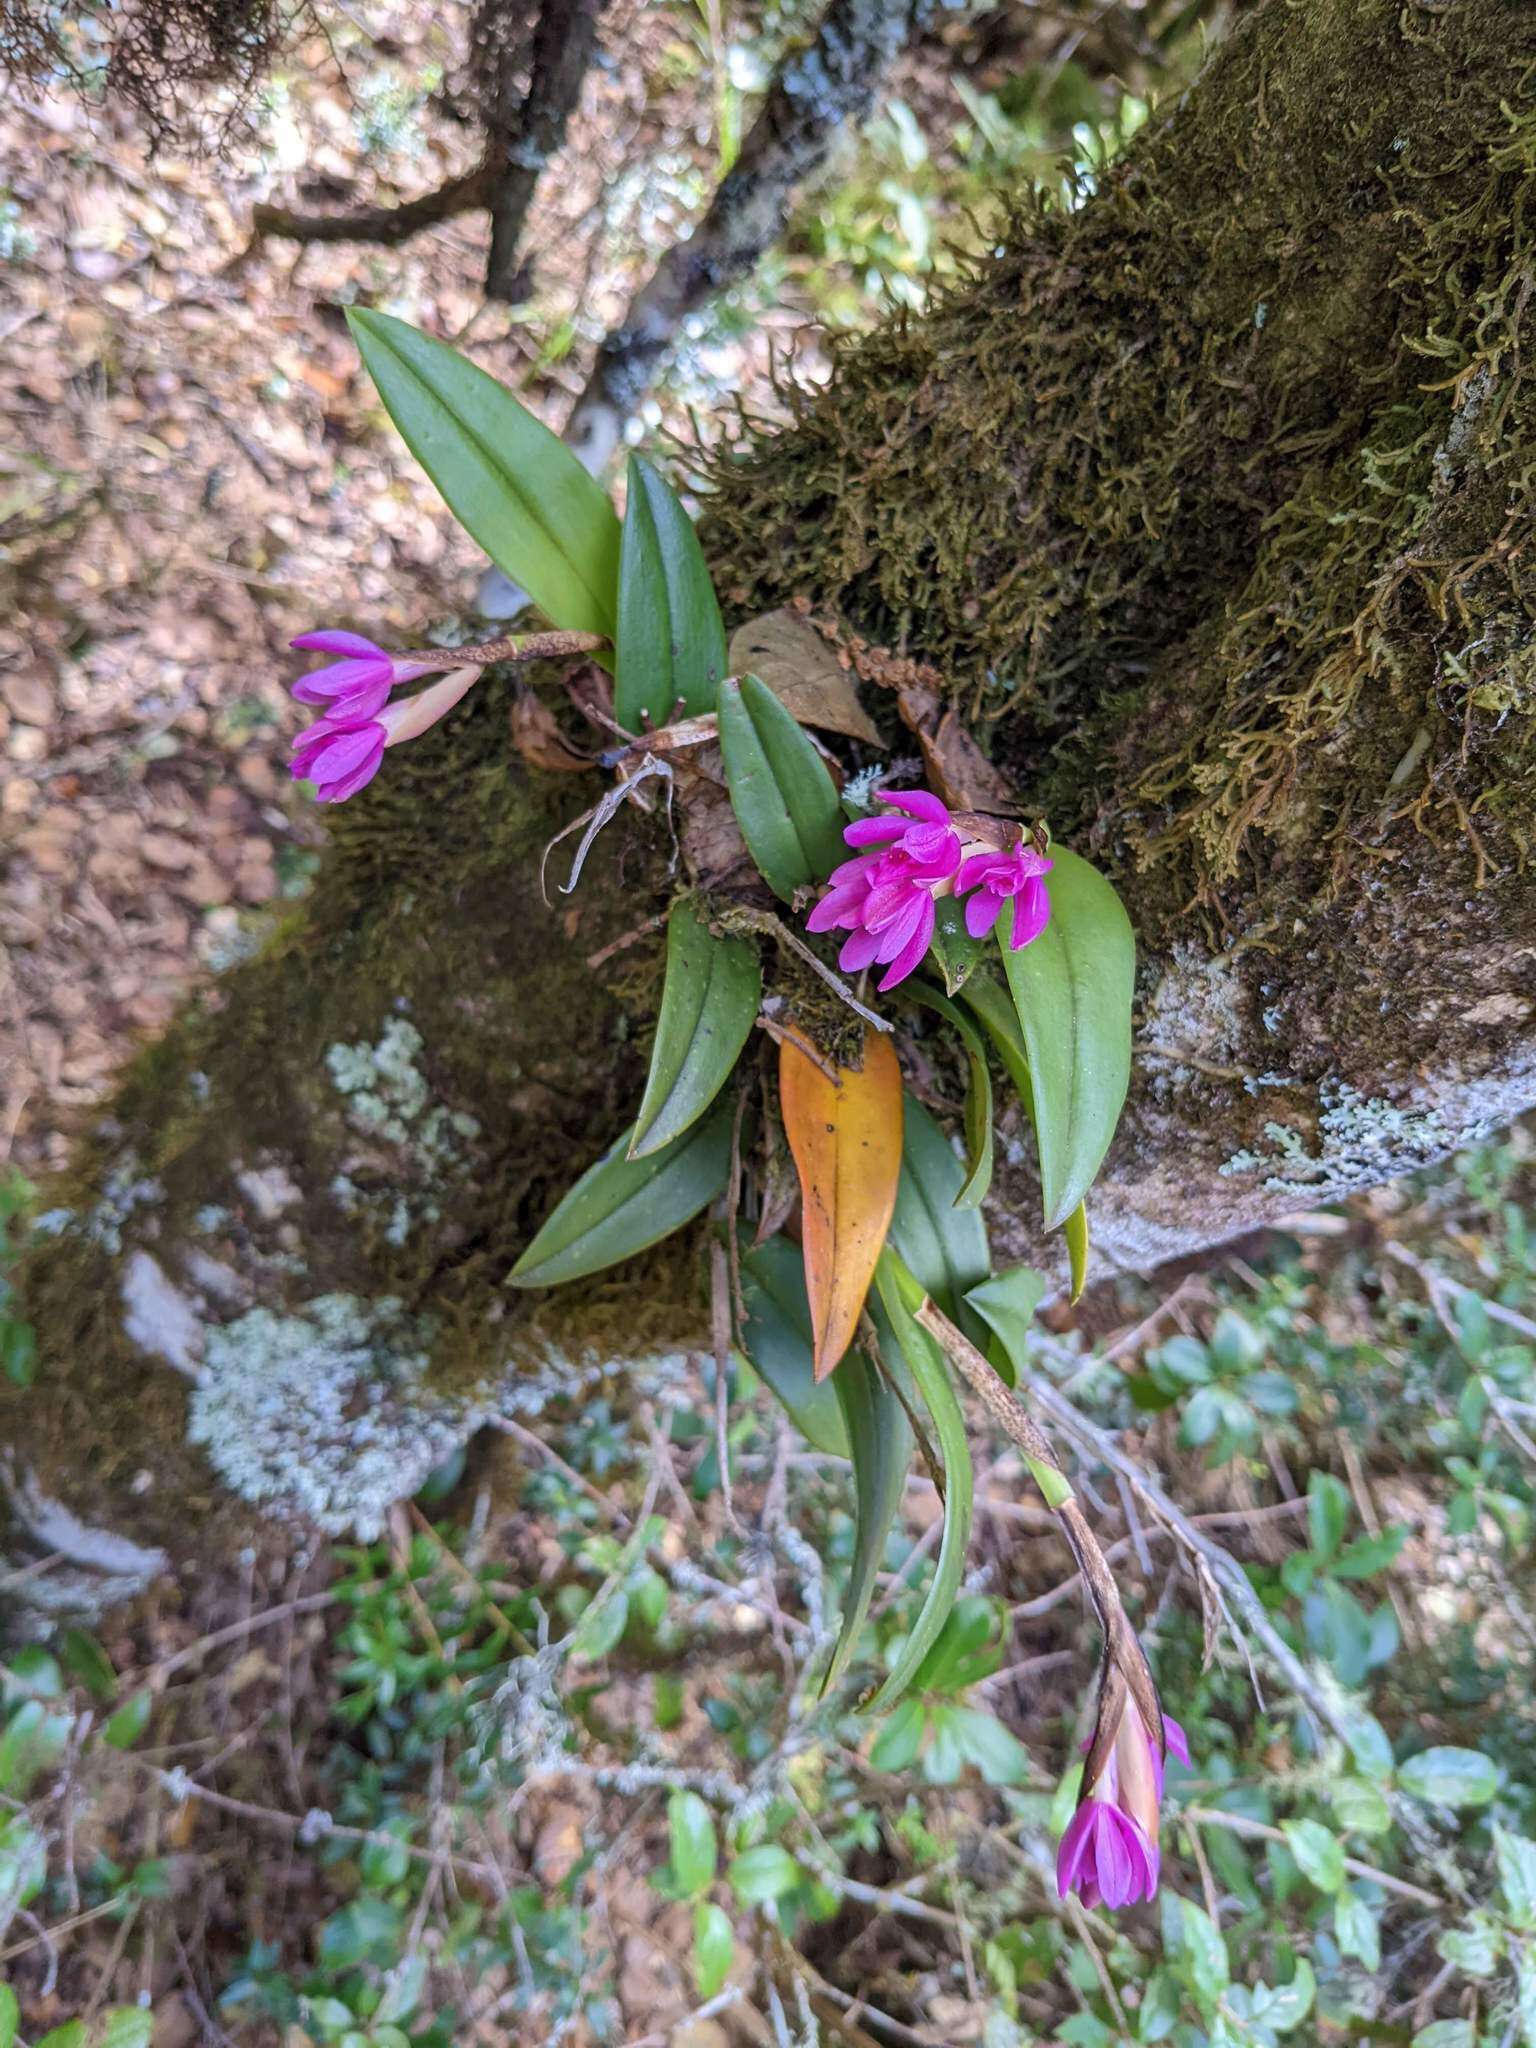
{"points": [[802, 671]]}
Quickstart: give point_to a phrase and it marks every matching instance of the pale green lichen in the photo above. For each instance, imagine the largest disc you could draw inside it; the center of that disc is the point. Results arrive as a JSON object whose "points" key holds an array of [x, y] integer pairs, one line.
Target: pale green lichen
{"points": [[389, 1097], [323, 1414], [1360, 1140]]}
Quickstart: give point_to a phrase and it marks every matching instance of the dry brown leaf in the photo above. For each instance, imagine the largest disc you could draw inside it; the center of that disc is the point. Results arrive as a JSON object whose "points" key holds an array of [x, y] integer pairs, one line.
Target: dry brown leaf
{"points": [[803, 672], [539, 739], [959, 771], [846, 1138]]}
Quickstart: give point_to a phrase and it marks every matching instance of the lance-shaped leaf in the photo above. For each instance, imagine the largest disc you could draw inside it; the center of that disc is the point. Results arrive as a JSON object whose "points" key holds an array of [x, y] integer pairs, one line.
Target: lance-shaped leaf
{"points": [[901, 1295], [670, 643], [1000, 1020], [1075, 1230], [978, 1096], [621, 1205], [777, 1339], [1072, 988], [708, 1002], [845, 1135], [785, 800], [880, 1445], [512, 485], [945, 1246]]}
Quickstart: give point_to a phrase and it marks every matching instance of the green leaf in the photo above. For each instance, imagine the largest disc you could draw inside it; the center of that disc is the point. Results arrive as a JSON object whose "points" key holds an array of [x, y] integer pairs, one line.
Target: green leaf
{"points": [[982, 1740], [785, 800], [978, 1096], [670, 642], [1161, 2003], [1328, 1511], [691, 1828], [1450, 1777], [993, 1006], [1290, 2003], [601, 1626], [1446, 2034], [124, 1727], [880, 1445], [967, 1649], [1205, 1952], [945, 1247], [84, 1656], [1006, 1304], [33, 1741], [1516, 1859], [952, 949], [1318, 1851], [1072, 988], [1075, 1231], [901, 1294], [714, 1947], [512, 485], [1368, 1555], [896, 1746], [1361, 1806], [621, 1205], [1356, 1929], [708, 1003], [764, 1873], [778, 1341], [367, 1931], [70, 2035], [125, 2026], [1474, 1948], [10, 2016]]}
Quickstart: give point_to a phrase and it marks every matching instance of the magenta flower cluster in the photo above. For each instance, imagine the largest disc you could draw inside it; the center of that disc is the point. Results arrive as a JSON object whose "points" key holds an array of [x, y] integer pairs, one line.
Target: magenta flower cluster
{"points": [[884, 898], [1109, 1854], [342, 750]]}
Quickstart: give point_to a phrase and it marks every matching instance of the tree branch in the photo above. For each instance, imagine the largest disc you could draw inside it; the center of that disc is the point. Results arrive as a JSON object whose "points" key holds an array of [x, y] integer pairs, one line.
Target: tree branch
{"points": [[814, 92], [564, 45], [386, 225]]}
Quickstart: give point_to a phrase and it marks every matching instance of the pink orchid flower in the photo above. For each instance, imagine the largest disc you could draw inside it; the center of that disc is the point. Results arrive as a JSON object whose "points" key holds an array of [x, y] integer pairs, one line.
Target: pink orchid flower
{"points": [[341, 752], [995, 877], [358, 683], [1109, 1854], [884, 898]]}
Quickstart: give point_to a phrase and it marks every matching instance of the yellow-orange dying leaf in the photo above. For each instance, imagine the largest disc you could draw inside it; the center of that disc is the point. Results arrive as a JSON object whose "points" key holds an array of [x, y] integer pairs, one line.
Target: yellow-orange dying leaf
{"points": [[845, 1135]]}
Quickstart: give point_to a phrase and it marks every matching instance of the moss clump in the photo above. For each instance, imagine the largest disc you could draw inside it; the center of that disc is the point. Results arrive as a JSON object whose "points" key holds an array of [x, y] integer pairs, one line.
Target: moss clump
{"points": [[1207, 498]]}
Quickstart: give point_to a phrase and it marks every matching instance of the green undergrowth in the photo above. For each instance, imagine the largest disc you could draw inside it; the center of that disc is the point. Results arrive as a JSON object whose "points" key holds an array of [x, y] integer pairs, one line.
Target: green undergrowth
{"points": [[568, 1690]]}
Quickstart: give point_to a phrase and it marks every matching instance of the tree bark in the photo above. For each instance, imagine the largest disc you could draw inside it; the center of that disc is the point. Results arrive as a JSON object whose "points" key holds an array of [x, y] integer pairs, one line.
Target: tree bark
{"points": [[1209, 505], [564, 44], [814, 93]]}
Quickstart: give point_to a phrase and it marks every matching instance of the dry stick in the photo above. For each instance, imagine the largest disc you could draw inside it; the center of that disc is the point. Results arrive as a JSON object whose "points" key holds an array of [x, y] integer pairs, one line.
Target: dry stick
{"points": [[1121, 1641], [775, 928], [1261, 1831], [1220, 1563], [181, 1788], [310, 1603]]}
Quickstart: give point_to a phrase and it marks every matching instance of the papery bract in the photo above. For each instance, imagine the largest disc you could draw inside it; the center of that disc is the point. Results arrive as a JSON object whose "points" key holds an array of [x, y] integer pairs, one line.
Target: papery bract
{"points": [[1109, 1853]]}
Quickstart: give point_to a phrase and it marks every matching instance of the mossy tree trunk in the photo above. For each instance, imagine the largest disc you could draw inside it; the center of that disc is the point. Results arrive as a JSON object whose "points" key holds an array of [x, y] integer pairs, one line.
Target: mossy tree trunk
{"points": [[1210, 506]]}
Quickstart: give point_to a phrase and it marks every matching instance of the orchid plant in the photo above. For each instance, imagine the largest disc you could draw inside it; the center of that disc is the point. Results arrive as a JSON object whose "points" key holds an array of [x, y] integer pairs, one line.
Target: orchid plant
{"points": [[857, 1311]]}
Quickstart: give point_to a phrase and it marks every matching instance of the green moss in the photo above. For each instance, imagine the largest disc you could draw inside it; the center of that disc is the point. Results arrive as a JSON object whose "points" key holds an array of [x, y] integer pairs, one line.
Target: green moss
{"points": [[379, 1108], [1205, 498]]}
